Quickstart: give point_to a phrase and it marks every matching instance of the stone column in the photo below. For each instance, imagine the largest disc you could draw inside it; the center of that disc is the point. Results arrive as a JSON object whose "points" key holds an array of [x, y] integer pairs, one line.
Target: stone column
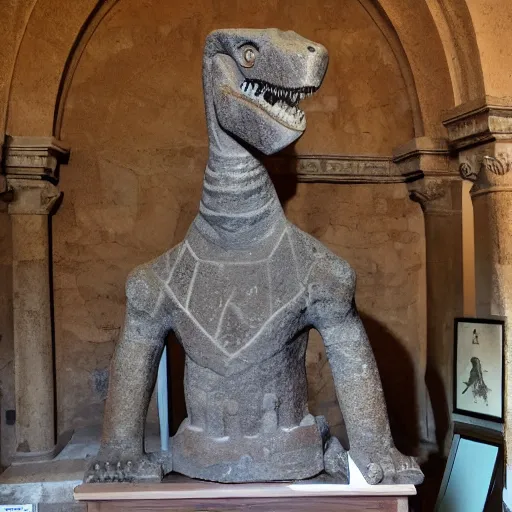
{"points": [[482, 135], [32, 171], [490, 170], [439, 194], [440, 200]]}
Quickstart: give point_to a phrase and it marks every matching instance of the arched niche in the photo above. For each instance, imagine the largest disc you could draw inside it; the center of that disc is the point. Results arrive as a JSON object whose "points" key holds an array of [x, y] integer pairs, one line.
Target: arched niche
{"points": [[57, 31], [130, 107]]}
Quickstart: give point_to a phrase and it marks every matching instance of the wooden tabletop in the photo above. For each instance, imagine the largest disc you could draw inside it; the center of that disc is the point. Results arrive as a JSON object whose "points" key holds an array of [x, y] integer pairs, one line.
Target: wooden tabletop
{"points": [[185, 488]]}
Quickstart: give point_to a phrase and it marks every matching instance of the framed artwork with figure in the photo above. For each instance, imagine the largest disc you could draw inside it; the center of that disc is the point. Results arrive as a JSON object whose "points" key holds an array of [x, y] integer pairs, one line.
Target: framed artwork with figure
{"points": [[478, 376]]}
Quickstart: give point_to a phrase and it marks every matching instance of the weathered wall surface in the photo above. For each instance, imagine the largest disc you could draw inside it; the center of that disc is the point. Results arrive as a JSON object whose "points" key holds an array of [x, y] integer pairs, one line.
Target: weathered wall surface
{"points": [[14, 15], [380, 232], [7, 400], [135, 122], [491, 20]]}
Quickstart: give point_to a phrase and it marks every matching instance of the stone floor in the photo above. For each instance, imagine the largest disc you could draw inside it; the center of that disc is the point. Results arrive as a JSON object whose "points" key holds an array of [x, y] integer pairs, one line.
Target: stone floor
{"points": [[50, 484]]}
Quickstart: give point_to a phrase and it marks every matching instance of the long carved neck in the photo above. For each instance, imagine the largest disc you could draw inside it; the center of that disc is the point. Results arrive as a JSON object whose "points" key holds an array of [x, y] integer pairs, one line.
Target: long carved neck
{"points": [[239, 205]]}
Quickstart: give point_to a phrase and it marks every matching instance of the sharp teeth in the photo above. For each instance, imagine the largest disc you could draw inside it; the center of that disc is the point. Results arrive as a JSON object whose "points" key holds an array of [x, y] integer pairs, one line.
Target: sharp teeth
{"points": [[281, 103]]}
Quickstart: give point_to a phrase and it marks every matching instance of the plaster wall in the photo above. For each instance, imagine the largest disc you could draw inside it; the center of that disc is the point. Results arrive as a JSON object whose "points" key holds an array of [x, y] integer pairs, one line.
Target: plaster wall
{"points": [[492, 20], [7, 400], [380, 231], [14, 16]]}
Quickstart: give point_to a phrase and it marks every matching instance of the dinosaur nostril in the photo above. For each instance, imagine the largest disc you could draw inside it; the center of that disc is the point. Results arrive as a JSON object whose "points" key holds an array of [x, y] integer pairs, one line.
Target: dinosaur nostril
{"points": [[311, 49]]}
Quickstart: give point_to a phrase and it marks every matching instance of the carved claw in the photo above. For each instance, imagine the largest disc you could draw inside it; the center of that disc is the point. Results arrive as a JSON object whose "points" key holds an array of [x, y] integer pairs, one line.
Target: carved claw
{"points": [[143, 469], [389, 467], [374, 474]]}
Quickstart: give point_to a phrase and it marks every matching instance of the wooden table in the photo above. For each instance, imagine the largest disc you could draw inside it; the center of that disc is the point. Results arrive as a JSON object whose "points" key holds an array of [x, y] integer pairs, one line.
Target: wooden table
{"points": [[186, 495]]}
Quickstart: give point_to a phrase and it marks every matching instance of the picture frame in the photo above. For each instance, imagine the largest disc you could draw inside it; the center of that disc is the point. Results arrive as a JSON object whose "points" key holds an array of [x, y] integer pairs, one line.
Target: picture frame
{"points": [[472, 479], [478, 368]]}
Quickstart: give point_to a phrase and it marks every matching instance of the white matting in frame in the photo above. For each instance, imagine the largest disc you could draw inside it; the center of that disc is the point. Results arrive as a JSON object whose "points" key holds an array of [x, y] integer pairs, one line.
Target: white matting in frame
{"points": [[478, 368]]}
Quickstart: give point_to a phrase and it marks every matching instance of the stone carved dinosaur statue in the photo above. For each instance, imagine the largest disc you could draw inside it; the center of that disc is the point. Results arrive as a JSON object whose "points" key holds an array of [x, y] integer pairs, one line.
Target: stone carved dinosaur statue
{"points": [[240, 293]]}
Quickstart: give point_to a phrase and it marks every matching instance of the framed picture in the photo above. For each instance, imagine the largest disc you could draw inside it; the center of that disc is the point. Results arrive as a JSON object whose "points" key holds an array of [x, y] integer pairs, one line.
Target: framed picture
{"points": [[470, 476], [478, 374]]}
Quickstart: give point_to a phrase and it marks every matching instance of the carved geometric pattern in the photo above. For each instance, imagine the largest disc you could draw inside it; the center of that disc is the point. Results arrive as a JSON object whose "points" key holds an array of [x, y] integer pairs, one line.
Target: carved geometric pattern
{"points": [[232, 302], [341, 169]]}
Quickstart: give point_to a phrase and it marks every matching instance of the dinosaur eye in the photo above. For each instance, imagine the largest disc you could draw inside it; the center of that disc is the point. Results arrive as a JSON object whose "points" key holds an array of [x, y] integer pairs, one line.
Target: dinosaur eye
{"points": [[249, 54]]}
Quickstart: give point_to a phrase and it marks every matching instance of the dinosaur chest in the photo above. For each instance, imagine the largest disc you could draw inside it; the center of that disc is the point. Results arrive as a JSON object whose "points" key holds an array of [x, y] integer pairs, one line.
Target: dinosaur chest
{"points": [[231, 302]]}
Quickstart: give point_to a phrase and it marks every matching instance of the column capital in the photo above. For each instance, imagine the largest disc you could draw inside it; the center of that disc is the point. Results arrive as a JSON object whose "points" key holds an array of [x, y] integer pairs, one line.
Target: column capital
{"points": [[479, 122], [424, 156], [488, 166], [437, 195], [31, 167], [34, 158]]}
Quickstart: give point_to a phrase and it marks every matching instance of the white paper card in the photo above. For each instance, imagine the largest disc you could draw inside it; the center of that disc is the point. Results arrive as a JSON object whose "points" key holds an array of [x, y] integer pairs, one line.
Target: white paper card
{"points": [[17, 508]]}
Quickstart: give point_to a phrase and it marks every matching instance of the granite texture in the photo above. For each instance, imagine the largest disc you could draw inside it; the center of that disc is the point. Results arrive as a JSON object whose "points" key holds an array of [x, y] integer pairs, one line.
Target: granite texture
{"points": [[241, 293]]}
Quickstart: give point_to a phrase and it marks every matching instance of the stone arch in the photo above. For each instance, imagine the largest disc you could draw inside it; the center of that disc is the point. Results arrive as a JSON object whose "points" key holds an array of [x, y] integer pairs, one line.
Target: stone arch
{"points": [[49, 36], [379, 17], [48, 57], [85, 175], [456, 31], [414, 24]]}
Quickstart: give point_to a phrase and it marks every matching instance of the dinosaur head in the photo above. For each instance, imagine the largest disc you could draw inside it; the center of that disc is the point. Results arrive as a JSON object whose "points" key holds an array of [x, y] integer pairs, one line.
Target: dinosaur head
{"points": [[254, 81]]}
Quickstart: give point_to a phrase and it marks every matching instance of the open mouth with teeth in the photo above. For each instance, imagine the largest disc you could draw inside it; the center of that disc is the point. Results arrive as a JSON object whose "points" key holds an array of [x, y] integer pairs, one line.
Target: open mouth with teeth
{"points": [[281, 103]]}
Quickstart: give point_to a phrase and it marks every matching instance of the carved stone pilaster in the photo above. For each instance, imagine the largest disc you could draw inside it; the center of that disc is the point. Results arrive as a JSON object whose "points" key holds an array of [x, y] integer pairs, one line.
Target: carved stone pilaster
{"points": [[31, 167], [439, 195], [482, 135]]}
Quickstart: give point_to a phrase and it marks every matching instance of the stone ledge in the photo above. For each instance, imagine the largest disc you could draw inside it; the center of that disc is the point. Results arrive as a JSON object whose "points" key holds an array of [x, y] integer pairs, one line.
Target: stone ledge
{"points": [[341, 169], [41, 482]]}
